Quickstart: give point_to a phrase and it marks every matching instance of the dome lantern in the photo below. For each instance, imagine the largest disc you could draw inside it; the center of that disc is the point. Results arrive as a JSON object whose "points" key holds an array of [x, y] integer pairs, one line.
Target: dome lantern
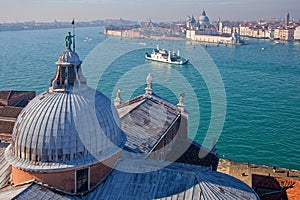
{"points": [[68, 73]]}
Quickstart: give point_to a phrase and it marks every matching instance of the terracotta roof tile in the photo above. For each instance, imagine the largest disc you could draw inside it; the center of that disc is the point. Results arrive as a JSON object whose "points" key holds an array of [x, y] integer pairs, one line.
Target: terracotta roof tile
{"points": [[10, 111], [276, 188]]}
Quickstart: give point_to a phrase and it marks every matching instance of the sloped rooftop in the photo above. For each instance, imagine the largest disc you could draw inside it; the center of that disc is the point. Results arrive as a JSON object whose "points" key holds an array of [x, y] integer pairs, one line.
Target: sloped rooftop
{"points": [[269, 187], [145, 120], [176, 181], [10, 111], [5, 169], [11, 94], [5, 95], [11, 192]]}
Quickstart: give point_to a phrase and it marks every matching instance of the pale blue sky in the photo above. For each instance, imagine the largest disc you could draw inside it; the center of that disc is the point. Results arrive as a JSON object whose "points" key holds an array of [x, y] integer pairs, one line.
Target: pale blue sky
{"points": [[141, 10]]}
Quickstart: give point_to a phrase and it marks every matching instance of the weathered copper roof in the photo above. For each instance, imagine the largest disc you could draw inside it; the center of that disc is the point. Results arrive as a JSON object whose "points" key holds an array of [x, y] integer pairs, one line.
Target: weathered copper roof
{"points": [[65, 129]]}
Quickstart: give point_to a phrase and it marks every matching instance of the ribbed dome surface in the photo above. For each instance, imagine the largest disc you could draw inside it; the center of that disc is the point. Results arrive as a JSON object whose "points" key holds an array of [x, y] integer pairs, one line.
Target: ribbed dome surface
{"points": [[68, 57], [67, 127], [203, 19]]}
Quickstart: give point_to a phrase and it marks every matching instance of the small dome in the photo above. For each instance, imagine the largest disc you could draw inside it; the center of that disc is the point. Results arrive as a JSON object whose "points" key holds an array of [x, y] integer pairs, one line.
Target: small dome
{"points": [[203, 19], [193, 20], [66, 127], [68, 57]]}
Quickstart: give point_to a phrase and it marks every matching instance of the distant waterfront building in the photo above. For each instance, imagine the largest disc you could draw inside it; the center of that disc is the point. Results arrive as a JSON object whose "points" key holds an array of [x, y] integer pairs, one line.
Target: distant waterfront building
{"points": [[213, 37], [227, 30], [262, 29], [129, 31], [297, 33], [120, 22], [256, 32], [206, 32], [71, 142], [284, 34], [148, 24]]}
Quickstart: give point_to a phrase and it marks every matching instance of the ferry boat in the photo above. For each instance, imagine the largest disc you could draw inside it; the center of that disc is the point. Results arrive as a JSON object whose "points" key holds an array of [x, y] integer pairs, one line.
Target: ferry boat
{"points": [[163, 55]]}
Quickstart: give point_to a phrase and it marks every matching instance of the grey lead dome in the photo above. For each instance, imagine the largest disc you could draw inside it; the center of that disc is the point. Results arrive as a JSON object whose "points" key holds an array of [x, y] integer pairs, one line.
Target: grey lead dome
{"points": [[69, 57], [68, 125], [203, 19], [61, 127]]}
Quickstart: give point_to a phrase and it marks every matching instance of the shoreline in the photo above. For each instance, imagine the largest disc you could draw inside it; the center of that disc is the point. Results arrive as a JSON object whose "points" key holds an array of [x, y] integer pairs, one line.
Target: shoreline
{"points": [[244, 171]]}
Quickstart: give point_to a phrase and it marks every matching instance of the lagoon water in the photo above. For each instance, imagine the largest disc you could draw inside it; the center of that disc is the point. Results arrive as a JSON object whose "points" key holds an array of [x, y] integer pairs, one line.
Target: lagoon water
{"points": [[261, 81]]}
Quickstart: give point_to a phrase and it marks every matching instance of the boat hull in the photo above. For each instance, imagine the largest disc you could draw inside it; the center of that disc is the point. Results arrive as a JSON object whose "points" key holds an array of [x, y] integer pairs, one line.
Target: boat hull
{"points": [[181, 62]]}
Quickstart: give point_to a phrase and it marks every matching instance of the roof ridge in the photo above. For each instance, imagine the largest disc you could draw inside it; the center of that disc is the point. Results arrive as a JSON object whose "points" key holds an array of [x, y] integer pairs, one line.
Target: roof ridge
{"points": [[9, 94]]}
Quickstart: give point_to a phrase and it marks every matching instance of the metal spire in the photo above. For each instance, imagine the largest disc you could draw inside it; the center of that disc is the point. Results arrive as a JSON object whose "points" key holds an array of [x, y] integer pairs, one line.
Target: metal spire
{"points": [[73, 25]]}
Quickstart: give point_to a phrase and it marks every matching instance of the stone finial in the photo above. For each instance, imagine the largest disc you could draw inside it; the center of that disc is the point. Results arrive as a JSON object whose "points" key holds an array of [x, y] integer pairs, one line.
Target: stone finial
{"points": [[118, 99], [149, 84], [181, 105]]}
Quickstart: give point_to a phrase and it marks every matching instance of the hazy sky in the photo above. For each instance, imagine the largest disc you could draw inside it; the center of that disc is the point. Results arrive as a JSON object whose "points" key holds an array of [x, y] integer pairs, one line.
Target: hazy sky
{"points": [[141, 10]]}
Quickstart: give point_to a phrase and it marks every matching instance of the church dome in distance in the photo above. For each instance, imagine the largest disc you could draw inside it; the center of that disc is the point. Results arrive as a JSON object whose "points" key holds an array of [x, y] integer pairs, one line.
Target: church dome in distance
{"points": [[203, 19]]}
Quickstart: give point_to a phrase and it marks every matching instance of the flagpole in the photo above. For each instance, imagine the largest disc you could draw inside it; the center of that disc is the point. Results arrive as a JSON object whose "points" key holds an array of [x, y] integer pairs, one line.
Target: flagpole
{"points": [[73, 24]]}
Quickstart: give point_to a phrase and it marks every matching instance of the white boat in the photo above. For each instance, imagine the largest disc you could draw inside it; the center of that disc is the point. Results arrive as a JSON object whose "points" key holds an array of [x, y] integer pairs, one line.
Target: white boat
{"points": [[87, 39], [163, 55]]}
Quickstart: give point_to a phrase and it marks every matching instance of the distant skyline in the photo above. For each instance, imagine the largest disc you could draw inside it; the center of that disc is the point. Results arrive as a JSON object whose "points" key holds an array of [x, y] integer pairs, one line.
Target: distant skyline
{"points": [[139, 10]]}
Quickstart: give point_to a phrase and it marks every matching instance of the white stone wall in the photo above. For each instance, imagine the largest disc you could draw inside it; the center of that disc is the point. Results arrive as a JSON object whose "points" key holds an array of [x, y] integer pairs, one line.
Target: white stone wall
{"points": [[190, 34], [297, 33], [213, 39], [284, 34]]}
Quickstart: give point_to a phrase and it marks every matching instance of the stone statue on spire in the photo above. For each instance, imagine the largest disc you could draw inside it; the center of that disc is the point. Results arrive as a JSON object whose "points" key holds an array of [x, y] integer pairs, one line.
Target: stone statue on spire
{"points": [[149, 84], [118, 99], [181, 105]]}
